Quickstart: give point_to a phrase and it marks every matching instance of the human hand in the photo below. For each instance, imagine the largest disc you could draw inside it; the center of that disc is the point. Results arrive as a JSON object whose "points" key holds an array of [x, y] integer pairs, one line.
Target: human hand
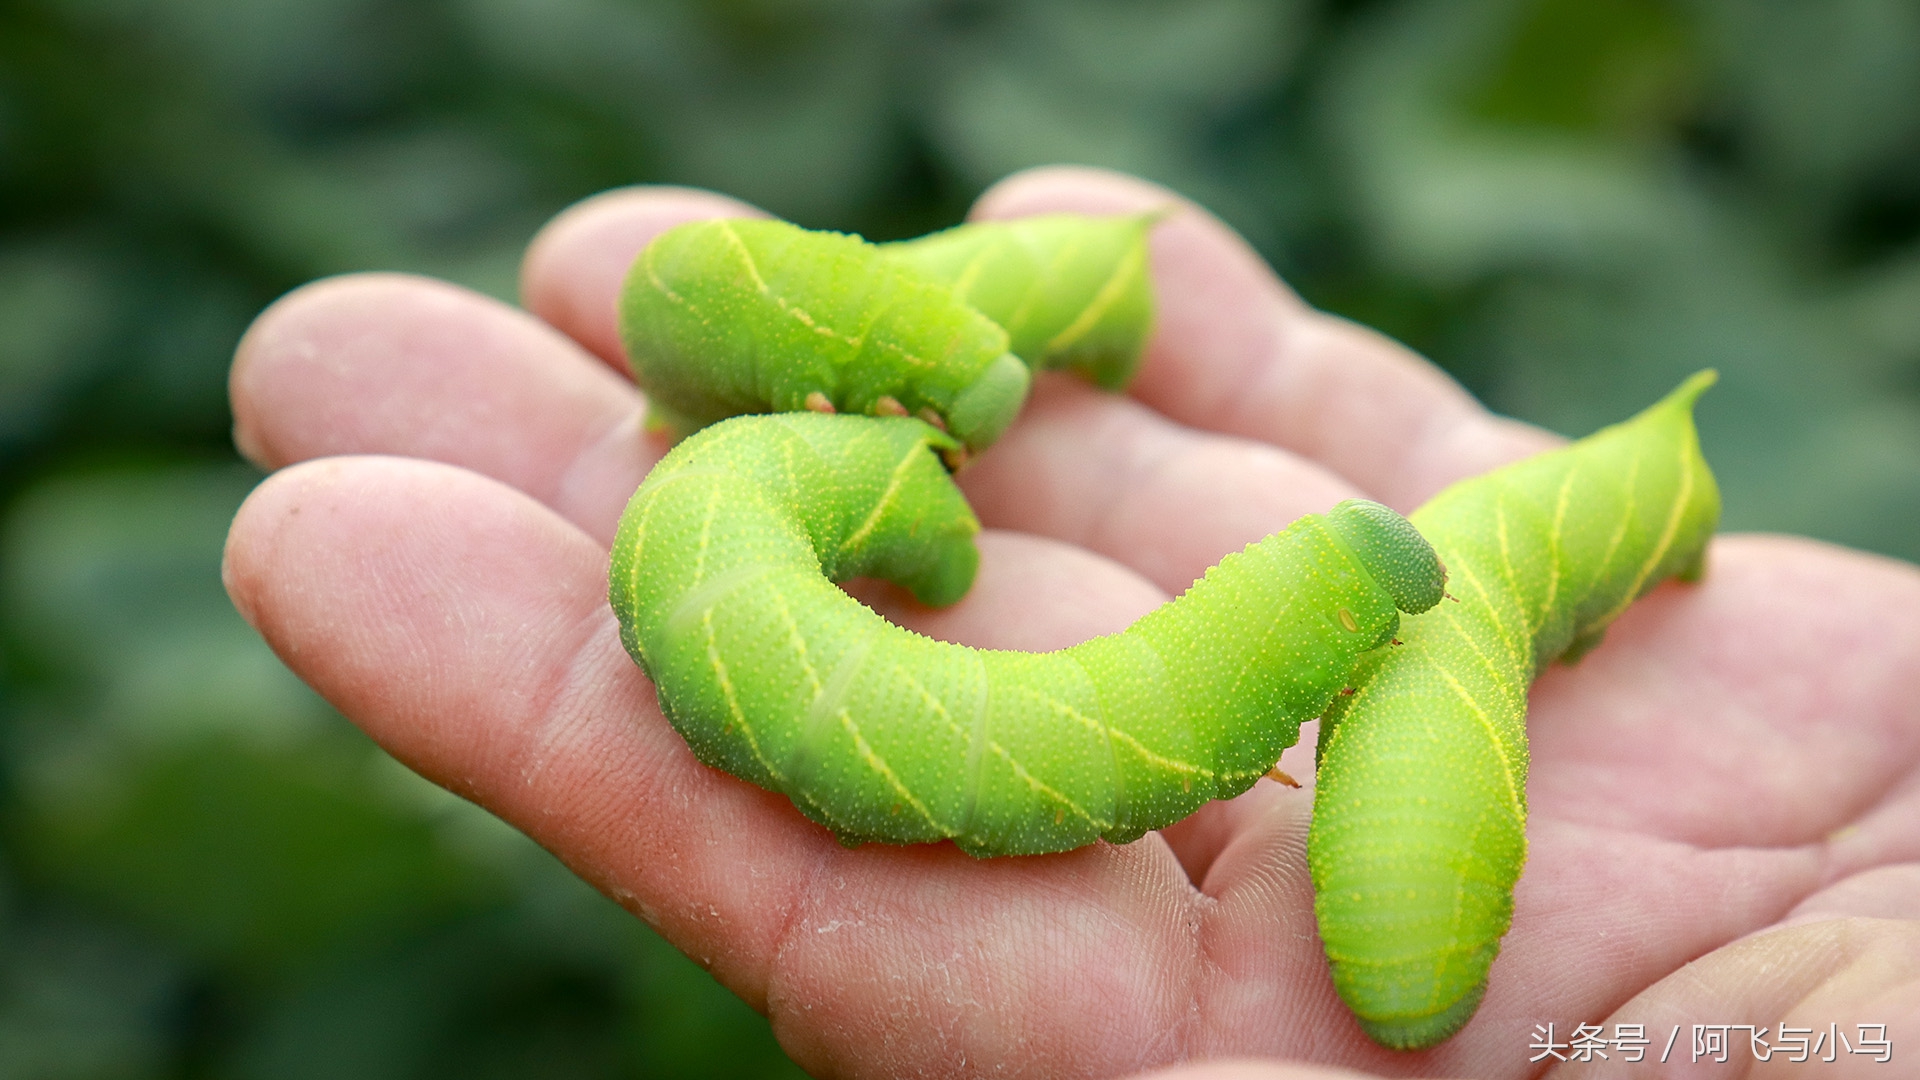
{"points": [[1738, 754]]}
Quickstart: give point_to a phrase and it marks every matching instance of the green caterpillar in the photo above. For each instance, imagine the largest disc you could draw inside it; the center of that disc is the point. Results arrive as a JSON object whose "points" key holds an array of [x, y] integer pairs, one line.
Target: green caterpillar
{"points": [[739, 316], [722, 578], [726, 317], [724, 561], [1419, 812]]}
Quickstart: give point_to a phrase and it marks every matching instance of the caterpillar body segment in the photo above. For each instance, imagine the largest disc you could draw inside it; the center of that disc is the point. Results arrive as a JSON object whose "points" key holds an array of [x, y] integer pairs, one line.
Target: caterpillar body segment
{"points": [[1072, 291], [722, 578]]}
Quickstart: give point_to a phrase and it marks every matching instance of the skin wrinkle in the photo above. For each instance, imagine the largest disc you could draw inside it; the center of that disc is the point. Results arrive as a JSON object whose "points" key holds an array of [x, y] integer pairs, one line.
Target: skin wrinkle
{"points": [[1770, 916], [799, 905], [292, 339], [1440, 414], [1436, 431], [1102, 525], [591, 629], [1644, 960], [578, 483], [1279, 377], [1195, 913], [1265, 879], [556, 732], [1896, 784], [1078, 893]]}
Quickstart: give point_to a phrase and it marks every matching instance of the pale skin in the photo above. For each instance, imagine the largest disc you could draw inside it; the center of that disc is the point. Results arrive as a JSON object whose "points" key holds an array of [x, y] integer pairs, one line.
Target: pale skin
{"points": [[1732, 779]]}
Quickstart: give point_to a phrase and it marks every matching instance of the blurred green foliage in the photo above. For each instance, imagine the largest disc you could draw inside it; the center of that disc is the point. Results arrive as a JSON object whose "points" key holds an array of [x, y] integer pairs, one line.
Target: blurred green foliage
{"points": [[205, 872]]}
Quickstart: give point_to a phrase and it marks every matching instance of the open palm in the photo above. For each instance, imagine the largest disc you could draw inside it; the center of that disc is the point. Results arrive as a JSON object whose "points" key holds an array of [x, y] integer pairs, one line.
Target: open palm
{"points": [[431, 556]]}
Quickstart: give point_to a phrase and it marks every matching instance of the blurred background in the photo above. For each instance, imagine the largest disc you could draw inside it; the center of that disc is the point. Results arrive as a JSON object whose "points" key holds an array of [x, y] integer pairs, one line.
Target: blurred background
{"points": [[204, 872]]}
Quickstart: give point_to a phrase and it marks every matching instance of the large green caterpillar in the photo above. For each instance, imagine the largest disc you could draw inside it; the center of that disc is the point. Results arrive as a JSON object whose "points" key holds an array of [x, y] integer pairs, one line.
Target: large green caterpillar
{"points": [[722, 577], [1419, 811], [722, 567]]}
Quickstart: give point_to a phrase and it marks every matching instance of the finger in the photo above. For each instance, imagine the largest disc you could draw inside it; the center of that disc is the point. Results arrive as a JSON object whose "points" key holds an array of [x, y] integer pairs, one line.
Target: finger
{"points": [[464, 627], [1793, 663], [573, 270], [390, 364], [1823, 980], [1253, 1070], [1235, 351], [1103, 472], [1032, 595], [1600, 914], [1885, 892]]}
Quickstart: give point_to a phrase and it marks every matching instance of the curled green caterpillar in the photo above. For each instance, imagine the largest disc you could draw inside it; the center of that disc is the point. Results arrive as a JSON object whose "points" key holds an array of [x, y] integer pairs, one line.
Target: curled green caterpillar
{"points": [[722, 578], [1419, 812]]}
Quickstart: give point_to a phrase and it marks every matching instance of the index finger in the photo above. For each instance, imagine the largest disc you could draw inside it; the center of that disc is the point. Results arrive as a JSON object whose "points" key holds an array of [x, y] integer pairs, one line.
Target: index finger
{"points": [[1236, 351]]}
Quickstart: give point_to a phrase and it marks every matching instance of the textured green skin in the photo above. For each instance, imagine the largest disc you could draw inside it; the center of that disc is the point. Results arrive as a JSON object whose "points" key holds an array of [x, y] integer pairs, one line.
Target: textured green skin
{"points": [[1071, 291], [735, 316], [722, 577], [1420, 807]]}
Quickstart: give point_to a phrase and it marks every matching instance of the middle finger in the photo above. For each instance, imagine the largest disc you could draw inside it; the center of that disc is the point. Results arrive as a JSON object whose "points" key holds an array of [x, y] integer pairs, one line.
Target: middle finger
{"points": [[390, 364]]}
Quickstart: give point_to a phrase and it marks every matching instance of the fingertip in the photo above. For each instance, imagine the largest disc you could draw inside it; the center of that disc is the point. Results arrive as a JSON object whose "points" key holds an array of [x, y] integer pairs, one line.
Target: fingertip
{"points": [[236, 565], [309, 326], [573, 269], [247, 562], [1082, 189], [246, 376]]}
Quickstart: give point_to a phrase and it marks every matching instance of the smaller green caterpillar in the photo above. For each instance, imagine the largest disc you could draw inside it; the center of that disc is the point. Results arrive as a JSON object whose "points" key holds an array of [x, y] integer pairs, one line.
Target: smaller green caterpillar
{"points": [[735, 316], [722, 578]]}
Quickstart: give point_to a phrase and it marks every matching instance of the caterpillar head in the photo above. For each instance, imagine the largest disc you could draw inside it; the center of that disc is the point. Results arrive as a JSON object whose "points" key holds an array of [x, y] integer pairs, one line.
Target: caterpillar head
{"points": [[1393, 551]]}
